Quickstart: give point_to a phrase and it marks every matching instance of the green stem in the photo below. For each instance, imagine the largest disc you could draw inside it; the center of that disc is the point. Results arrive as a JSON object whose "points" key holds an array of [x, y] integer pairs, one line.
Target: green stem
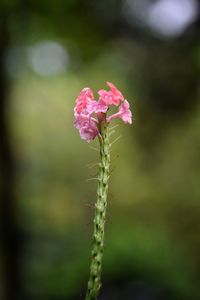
{"points": [[94, 282]]}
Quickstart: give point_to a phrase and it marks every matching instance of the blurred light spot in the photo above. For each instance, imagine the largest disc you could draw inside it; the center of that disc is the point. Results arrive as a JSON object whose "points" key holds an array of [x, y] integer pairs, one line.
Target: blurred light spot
{"points": [[48, 58], [172, 17], [168, 18]]}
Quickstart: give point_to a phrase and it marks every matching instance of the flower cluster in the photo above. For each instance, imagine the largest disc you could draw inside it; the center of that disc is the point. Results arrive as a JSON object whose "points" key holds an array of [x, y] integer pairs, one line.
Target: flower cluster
{"points": [[87, 108]]}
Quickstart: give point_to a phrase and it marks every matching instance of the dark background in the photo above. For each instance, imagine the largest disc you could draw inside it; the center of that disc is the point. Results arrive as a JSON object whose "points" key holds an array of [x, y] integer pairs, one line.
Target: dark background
{"points": [[49, 50]]}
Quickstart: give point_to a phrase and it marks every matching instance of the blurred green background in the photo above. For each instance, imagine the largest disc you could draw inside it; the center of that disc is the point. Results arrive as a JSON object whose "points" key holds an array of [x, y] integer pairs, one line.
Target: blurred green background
{"points": [[49, 51]]}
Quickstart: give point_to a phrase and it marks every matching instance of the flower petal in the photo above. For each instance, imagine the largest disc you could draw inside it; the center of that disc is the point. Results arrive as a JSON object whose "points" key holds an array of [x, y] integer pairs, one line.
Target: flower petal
{"points": [[124, 113], [84, 98]]}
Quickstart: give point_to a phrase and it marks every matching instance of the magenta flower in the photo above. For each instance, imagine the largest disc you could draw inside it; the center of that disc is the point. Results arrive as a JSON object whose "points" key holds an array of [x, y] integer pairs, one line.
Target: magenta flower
{"points": [[90, 114]]}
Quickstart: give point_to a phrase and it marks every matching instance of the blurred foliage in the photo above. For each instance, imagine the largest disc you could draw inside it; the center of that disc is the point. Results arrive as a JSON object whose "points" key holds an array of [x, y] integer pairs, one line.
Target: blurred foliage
{"points": [[152, 234], [150, 222]]}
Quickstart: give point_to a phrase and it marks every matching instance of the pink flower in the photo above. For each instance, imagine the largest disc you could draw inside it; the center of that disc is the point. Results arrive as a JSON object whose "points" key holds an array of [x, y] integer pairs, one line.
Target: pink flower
{"points": [[85, 97], [88, 133], [105, 96], [97, 106], [114, 96], [81, 120], [90, 115], [87, 127], [124, 113]]}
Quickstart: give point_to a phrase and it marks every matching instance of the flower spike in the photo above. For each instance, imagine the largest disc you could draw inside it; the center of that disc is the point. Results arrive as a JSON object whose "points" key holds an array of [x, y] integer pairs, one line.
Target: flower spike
{"points": [[92, 120]]}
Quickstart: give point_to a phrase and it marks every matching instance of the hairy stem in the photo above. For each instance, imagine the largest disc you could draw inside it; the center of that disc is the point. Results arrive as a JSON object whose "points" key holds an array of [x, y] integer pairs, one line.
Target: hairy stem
{"points": [[94, 282]]}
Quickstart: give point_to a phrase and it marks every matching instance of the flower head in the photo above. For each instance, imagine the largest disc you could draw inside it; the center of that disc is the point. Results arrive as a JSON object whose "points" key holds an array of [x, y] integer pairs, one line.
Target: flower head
{"points": [[86, 109]]}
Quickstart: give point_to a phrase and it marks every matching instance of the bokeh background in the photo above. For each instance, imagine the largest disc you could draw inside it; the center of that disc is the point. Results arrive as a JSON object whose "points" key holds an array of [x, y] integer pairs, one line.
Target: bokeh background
{"points": [[150, 50]]}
